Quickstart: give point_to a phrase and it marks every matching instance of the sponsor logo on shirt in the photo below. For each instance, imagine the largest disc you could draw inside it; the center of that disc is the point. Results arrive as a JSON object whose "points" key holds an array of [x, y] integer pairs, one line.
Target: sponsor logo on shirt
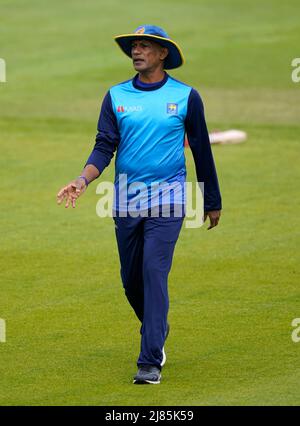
{"points": [[134, 108], [172, 108]]}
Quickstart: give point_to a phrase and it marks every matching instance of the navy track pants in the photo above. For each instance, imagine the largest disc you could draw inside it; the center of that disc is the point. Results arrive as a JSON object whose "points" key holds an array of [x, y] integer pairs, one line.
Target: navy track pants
{"points": [[146, 246]]}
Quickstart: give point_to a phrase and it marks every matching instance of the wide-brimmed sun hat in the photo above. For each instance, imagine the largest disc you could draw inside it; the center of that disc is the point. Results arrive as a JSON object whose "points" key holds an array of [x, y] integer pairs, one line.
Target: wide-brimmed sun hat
{"points": [[175, 57]]}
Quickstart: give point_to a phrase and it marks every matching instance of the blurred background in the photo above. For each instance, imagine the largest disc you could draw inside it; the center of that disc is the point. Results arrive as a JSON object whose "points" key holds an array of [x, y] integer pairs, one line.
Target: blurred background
{"points": [[234, 291]]}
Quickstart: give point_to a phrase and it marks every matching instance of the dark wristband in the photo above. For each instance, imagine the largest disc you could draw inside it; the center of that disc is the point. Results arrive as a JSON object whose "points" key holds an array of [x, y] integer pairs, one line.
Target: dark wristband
{"points": [[85, 179]]}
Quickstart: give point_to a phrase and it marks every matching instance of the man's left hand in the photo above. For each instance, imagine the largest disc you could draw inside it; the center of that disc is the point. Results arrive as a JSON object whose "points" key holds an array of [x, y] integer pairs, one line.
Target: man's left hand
{"points": [[214, 217]]}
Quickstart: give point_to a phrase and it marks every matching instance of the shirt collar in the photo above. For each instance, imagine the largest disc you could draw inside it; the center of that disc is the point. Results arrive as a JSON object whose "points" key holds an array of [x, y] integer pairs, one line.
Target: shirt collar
{"points": [[138, 84]]}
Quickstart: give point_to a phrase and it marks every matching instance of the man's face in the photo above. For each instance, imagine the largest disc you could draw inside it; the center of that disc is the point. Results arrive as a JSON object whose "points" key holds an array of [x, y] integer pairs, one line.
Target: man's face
{"points": [[147, 55]]}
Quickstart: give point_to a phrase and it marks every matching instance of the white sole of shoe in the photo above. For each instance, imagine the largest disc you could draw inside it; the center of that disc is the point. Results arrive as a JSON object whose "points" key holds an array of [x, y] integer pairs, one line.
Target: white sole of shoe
{"points": [[145, 382]]}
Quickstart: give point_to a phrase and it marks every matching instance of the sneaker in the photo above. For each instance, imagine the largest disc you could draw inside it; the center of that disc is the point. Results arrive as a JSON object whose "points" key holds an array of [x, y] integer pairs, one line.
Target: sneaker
{"points": [[147, 374], [163, 349]]}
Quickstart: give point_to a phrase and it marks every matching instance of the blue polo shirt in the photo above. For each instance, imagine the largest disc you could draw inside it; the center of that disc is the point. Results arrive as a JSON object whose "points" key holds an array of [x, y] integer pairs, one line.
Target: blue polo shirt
{"points": [[146, 125]]}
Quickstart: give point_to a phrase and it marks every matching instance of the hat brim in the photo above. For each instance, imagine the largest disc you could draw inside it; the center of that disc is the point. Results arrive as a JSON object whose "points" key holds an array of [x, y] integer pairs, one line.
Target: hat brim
{"points": [[175, 56]]}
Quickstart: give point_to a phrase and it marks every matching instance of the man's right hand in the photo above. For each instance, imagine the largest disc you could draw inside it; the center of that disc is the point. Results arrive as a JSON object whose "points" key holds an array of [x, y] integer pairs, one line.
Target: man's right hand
{"points": [[71, 192]]}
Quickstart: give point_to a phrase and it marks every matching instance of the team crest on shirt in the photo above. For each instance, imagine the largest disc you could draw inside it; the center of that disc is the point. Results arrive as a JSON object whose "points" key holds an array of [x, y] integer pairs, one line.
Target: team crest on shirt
{"points": [[172, 108]]}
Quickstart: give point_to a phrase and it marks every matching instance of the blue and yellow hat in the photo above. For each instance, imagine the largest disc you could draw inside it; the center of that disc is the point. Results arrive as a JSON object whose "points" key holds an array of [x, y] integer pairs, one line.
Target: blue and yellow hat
{"points": [[175, 57]]}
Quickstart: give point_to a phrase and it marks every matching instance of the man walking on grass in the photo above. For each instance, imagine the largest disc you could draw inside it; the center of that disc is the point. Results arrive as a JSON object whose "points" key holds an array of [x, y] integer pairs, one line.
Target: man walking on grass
{"points": [[145, 120]]}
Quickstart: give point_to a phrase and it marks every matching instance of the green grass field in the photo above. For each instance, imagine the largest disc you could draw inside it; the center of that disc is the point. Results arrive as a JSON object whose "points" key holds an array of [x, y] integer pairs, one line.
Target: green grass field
{"points": [[234, 291]]}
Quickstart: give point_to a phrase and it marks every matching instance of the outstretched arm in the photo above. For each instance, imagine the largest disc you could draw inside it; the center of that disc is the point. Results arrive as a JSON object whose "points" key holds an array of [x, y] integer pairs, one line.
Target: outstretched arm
{"points": [[107, 140]]}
